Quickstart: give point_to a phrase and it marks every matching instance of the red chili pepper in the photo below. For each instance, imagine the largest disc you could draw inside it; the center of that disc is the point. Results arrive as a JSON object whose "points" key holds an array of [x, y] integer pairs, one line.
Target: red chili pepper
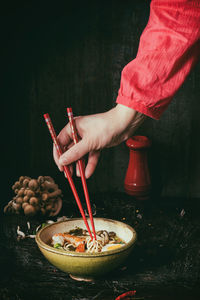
{"points": [[124, 295]]}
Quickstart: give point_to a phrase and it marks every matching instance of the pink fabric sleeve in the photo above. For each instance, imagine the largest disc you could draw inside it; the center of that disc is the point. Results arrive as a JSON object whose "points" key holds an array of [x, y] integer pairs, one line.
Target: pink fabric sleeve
{"points": [[168, 49]]}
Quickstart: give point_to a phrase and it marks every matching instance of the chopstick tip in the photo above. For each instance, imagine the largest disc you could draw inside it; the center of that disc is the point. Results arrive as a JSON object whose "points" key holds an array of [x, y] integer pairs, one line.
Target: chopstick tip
{"points": [[69, 110]]}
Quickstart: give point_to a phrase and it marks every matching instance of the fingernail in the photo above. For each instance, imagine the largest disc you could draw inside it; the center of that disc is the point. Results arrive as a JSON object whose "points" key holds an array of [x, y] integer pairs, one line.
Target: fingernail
{"points": [[77, 172], [60, 168], [86, 174]]}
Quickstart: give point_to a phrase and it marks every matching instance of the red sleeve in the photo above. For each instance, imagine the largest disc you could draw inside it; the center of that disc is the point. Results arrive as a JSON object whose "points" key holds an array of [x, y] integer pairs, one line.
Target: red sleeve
{"points": [[168, 49]]}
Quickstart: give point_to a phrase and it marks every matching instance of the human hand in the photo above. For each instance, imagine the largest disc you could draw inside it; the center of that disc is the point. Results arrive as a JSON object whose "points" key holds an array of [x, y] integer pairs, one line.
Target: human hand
{"points": [[96, 132]]}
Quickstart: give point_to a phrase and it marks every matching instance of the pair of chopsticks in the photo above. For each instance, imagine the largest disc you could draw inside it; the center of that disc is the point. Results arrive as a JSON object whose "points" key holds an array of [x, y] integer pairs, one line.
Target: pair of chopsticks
{"points": [[67, 171]]}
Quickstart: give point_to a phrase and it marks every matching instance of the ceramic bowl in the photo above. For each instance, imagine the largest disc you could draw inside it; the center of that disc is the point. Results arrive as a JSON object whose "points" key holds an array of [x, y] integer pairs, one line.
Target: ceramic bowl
{"points": [[86, 266]]}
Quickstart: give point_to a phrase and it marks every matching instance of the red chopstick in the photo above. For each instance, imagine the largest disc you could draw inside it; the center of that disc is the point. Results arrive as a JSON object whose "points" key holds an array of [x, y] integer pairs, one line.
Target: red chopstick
{"points": [[66, 170], [81, 168]]}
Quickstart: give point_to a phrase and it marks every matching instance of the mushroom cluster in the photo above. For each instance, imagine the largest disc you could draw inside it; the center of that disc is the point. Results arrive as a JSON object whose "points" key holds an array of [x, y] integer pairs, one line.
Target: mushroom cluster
{"points": [[35, 196]]}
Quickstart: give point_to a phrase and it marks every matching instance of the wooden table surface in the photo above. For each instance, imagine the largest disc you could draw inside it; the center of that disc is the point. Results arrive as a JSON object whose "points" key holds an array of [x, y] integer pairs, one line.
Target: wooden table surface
{"points": [[165, 263]]}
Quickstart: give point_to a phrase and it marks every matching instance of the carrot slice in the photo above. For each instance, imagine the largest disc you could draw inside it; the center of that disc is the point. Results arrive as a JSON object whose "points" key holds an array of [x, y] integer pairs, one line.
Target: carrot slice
{"points": [[80, 248]]}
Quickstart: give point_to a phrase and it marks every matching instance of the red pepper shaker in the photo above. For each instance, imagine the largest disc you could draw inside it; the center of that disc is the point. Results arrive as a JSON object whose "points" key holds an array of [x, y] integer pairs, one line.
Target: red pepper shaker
{"points": [[137, 180]]}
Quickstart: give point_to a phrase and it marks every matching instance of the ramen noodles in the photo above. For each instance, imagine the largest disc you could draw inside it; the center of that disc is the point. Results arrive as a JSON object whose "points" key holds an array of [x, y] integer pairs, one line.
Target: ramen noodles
{"points": [[79, 240]]}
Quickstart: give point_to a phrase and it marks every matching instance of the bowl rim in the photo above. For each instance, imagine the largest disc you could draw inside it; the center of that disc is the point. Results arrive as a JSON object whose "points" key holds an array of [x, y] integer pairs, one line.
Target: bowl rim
{"points": [[43, 245]]}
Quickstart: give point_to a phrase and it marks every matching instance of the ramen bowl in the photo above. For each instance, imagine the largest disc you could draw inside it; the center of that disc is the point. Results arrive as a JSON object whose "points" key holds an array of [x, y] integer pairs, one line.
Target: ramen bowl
{"points": [[86, 266]]}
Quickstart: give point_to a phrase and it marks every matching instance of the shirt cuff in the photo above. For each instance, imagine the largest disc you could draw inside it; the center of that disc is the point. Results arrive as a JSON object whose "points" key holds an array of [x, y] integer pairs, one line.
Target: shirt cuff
{"points": [[152, 112]]}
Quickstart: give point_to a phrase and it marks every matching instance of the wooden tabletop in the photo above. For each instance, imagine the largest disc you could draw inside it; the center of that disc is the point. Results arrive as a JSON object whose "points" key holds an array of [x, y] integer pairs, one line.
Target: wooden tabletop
{"points": [[165, 263]]}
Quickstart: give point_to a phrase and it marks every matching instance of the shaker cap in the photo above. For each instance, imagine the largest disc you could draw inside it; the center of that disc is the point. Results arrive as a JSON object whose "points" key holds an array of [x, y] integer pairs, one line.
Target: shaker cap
{"points": [[138, 142]]}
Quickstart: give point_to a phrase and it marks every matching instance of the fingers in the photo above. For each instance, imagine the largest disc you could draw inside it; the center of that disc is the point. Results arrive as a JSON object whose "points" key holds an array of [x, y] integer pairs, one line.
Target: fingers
{"points": [[77, 167], [93, 159], [65, 140], [74, 153], [92, 163], [70, 169], [56, 158], [65, 136]]}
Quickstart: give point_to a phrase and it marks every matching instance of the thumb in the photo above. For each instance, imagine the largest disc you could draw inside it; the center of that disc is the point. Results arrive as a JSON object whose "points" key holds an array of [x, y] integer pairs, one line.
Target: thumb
{"points": [[74, 153]]}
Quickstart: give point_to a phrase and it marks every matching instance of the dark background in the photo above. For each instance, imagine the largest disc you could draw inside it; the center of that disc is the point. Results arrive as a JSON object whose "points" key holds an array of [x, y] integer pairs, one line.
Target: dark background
{"points": [[60, 54], [71, 53]]}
